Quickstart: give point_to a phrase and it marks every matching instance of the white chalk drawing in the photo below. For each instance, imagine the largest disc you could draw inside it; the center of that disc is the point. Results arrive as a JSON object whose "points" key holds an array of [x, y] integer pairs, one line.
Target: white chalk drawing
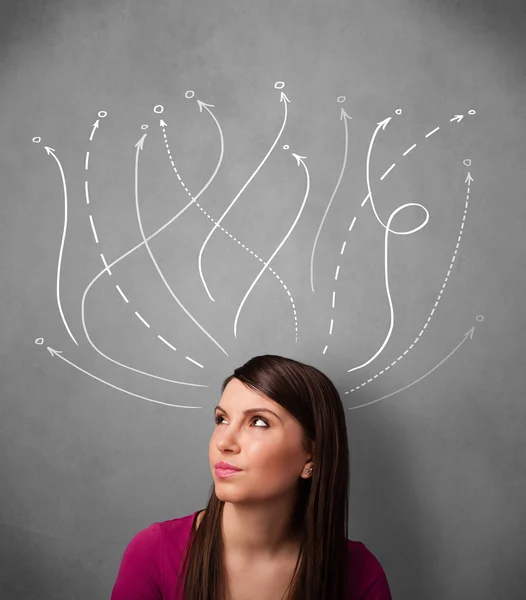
{"points": [[140, 145], [286, 101], [382, 125], [468, 181], [386, 279], [299, 160], [468, 334], [51, 152], [344, 117], [339, 271], [58, 354], [164, 125], [122, 294]]}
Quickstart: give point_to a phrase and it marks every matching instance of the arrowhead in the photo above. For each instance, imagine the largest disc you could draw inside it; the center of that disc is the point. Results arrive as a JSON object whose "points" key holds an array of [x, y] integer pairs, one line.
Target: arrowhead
{"points": [[53, 352], [201, 104], [283, 98], [344, 115], [162, 123], [49, 150], [457, 118], [140, 143], [469, 179], [469, 333], [383, 124], [96, 124], [298, 158]]}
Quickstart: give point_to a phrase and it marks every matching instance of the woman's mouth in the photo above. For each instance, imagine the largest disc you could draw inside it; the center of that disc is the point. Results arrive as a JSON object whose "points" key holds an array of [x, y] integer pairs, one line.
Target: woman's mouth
{"points": [[223, 469], [222, 473]]}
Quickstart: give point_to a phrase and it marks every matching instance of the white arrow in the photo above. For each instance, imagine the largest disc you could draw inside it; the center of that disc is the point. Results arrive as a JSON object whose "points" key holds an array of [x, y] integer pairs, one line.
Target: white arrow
{"points": [[95, 126], [122, 257], [203, 212], [299, 160], [51, 152], [140, 144], [469, 179], [442, 289], [139, 147], [206, 106], [457, 118], [382, 125], [285, 101], [344, 117], [163, 124], [58, 353], [468, 334], [386, 275]]}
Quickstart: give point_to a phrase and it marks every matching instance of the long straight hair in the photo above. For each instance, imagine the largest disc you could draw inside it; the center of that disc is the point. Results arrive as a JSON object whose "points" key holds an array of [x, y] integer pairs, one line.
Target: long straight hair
{"points": [[321, 512]]}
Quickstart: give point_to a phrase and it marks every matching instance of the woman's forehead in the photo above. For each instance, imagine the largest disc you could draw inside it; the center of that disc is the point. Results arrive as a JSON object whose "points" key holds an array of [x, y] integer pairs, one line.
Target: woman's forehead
{"points": [[239, 396]]}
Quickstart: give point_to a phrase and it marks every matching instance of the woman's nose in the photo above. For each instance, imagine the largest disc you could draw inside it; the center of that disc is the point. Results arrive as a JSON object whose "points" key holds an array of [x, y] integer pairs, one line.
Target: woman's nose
{"points": [[228, 438]]}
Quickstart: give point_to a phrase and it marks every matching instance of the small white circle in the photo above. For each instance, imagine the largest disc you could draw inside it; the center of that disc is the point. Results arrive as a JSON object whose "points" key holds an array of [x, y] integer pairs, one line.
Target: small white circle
{"points": [[37, 140], [144, 126], [398, 111], [279, 85], [480, 318], [102, 114], [158, 109], [286, 147], [467, 162], [472, 112], [39, 341], [189, 94], [340, 99]]}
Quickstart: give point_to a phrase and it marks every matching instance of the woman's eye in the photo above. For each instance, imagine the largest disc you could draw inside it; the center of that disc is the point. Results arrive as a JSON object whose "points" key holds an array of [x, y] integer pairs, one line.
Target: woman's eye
{"points": [[219, 417]]}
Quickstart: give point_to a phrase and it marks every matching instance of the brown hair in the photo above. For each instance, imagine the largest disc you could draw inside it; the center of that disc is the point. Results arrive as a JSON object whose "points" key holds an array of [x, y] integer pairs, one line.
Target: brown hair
{"points": [[321, 513]]}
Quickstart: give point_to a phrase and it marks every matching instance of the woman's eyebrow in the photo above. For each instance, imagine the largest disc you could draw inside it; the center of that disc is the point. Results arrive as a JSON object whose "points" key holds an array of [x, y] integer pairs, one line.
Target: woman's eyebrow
{"points": [[249, 411]]}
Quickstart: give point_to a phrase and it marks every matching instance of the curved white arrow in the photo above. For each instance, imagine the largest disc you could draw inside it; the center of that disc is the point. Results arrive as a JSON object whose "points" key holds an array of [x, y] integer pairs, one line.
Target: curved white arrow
{"points": [[51, 152], [343, 116], [386, 276], [468, 334], [468, 180], [299, 160], [118, 260], [382, 125], [285, 101], [226, 232], [140, 145], [97, 277], [58, 353], [207, 107], [95, 127]]}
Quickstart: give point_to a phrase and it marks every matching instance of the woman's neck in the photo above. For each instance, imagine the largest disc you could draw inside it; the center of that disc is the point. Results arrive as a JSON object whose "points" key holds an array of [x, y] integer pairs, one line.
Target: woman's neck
{"points": [[255, 532]]}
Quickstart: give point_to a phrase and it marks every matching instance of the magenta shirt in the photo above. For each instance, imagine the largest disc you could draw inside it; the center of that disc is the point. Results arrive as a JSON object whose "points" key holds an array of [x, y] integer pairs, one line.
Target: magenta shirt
{"points": [[150, 564]]}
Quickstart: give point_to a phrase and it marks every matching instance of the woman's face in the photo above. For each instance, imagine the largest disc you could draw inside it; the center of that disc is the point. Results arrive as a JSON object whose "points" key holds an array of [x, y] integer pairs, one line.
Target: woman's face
{"points": [[266, 446]]}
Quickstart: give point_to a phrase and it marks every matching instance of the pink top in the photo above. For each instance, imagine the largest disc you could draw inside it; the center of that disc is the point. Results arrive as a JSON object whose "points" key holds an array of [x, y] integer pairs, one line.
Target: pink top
{"points": [[150, 564]]}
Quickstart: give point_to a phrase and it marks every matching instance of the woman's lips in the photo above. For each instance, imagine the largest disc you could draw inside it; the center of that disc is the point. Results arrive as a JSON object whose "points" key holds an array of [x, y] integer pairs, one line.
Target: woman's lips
{"points": [[222, 472]]}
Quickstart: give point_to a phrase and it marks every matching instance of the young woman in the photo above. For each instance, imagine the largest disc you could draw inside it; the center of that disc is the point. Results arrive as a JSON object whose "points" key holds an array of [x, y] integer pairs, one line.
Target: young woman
{"points": [[275, 526]]}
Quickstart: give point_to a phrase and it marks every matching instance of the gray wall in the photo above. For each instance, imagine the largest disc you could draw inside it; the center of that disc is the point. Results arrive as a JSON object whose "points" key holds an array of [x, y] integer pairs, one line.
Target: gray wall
{"points": [[435, 385]]}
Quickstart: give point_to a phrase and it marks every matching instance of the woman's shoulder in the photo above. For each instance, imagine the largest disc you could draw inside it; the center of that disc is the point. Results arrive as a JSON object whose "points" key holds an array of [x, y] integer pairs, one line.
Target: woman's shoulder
{"points": [[151, 558], [162, 536], [365, 573], [175, 532]]}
